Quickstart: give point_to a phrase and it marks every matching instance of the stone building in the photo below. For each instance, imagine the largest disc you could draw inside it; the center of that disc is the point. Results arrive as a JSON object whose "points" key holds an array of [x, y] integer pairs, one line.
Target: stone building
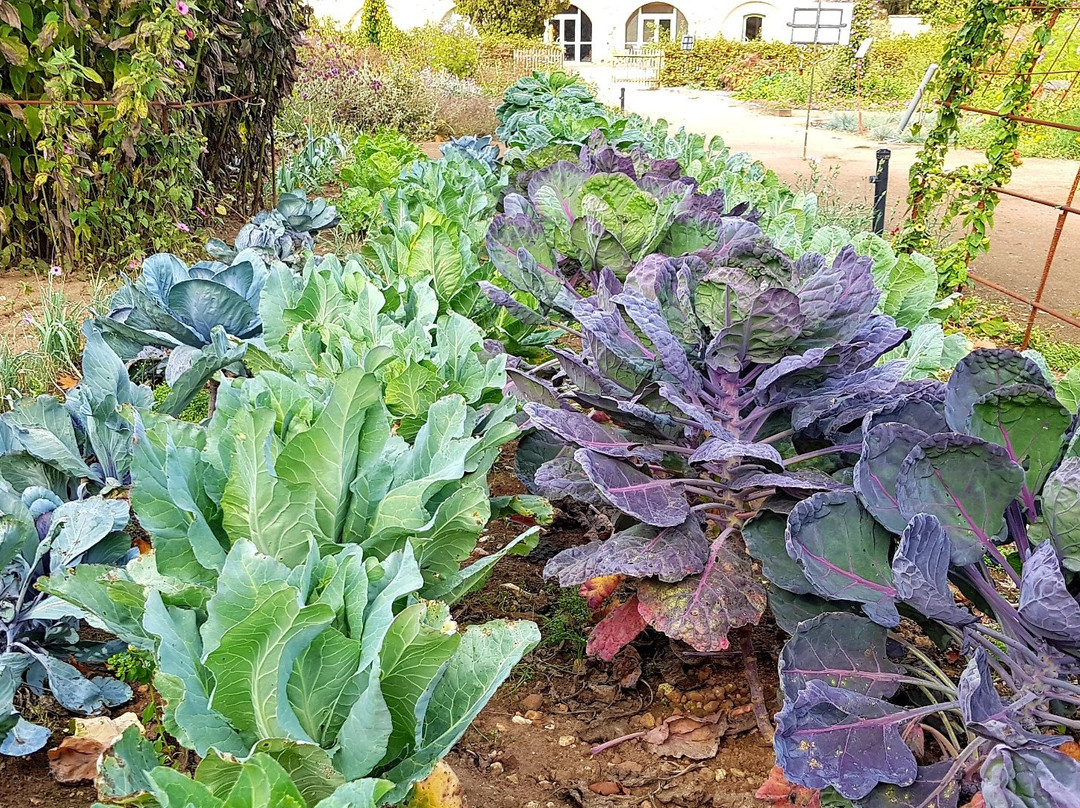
{"points": [[594, 30]]}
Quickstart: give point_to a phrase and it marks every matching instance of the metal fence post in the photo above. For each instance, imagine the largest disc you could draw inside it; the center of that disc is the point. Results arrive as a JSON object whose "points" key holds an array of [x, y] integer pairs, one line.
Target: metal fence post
{"points": [[880, 181], [622, 99]]}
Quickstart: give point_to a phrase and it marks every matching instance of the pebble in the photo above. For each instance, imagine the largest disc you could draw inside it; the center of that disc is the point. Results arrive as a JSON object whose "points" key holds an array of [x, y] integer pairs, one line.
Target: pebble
{"points": [[531, 702], [500, 727], [533, 715], [512, 778], [710, 707], [567, 740], [520, 719], [496, 768], [561, 708], [738, 773], [720, 774], [629, 767]]}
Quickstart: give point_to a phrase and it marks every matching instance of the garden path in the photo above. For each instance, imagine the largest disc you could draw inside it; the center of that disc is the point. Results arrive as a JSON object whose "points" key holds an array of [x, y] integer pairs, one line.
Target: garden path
{"points": [[1023, 229]]}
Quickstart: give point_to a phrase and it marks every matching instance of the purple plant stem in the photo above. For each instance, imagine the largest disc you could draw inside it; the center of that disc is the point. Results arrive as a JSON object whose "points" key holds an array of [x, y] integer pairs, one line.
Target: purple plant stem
{"points": [[842, 447], [596, 750], [1017, 529]]}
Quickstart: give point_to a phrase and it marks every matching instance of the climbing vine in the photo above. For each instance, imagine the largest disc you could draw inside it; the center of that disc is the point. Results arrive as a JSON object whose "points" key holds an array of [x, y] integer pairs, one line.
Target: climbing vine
{"points": [[962, 198]]}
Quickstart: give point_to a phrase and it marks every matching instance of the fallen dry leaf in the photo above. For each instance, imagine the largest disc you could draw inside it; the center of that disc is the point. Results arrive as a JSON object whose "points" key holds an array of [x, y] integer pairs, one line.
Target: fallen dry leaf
{"points": [[441, 789], [778, 792], [75, 760], [627, 667], [606, 788], [1072, 749], [104, 729], [977, 802], [687, 736]]}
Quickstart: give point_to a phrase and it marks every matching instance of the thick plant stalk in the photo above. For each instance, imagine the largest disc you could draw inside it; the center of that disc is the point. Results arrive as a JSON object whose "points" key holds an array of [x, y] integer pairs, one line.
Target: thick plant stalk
{"points": [[757, 694]]}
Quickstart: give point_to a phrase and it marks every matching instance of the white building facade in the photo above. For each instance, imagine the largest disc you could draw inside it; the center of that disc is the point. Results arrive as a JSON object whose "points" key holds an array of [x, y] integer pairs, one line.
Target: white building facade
{"points": [[595, 30]]}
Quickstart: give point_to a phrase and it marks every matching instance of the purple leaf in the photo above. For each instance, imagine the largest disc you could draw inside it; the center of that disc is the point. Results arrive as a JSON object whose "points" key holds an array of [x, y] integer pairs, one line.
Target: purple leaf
{"points": [[1046, 604], [984, 712], [719, 450], [922, 405], [656, 502], [981, 372], [582, 431], [563, 477], [669, 554], [790, 610], [631, 414], [532, 388], [840, 650], [647, 316], [506, 239], [582, 376], [829, 736], [700, 415], [849, 397], [884, 450], [920, 571], [533, 451], [837, 299], [1061, 508], [844, 553], [702, 609], [800, 482], [1029, 422], [517, 310], [966, 483], [764, 537], [616, 631], [1030, 777], [936, 786], [761, 336]]}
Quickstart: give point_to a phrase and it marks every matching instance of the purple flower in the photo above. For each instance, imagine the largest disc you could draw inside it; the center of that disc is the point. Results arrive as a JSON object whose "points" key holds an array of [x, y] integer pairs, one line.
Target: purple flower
{"points": [[376, 85], [27, 319], [200, 211], [55, 271], [179, 65], [189, 34], [183, 228], [182, 8]]}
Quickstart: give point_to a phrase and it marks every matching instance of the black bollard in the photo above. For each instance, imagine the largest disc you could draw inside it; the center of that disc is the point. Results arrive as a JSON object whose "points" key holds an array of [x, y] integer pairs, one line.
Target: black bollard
{"points": [[881, 189]]}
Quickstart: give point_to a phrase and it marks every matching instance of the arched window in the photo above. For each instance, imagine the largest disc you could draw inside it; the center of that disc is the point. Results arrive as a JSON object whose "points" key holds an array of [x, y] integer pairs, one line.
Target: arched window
{"points": [[574, 31], [654, 23], [752, 27]]}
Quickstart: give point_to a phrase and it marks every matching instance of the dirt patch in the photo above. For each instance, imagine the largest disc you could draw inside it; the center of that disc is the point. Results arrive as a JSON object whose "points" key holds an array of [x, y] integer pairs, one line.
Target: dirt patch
{"points": [[531, 745]]}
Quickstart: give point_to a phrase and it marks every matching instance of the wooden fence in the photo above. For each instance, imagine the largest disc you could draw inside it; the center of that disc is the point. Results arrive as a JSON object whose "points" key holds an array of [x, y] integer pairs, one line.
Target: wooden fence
{"points": [[530, 59], [638, 69]]}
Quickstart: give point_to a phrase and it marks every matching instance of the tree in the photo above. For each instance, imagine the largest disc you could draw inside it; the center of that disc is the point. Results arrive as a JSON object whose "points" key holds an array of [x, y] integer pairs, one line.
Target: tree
{"points": [[376, 26], [511, 17]]}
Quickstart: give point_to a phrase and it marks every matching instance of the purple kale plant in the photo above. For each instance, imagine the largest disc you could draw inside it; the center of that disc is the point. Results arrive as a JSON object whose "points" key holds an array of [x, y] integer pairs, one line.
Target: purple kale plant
{"points": [[960, 525]]}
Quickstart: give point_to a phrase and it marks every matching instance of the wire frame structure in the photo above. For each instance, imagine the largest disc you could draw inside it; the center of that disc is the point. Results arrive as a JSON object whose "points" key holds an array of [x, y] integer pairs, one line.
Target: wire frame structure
{"points": [[1054, 76]]}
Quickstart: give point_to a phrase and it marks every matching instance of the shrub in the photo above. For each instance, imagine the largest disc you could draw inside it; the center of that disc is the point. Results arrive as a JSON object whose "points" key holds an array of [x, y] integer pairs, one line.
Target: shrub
{"points": [[511, 17], [79, 179], [454, 48], [376, 27]]}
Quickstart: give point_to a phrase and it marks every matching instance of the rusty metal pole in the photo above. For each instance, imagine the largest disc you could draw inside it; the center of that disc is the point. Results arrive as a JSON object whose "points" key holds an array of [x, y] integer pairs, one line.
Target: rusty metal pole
{"points": [[1063, 214]]}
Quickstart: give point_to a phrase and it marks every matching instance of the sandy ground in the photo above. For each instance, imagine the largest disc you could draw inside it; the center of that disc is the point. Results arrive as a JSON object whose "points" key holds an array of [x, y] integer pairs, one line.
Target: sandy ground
{"points": [[1022, 231]]}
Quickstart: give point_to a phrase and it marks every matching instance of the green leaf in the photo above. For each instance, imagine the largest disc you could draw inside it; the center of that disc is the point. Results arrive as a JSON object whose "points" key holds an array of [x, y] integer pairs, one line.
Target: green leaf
{"points": [[434, 255], [325, 456], [257, 505], [482, 663], [413, 391], [420, 640]]}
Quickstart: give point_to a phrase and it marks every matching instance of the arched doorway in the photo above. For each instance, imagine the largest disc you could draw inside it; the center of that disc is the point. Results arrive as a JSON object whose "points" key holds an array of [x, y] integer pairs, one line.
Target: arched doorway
{"points": [[654, 23], [574, 31]]}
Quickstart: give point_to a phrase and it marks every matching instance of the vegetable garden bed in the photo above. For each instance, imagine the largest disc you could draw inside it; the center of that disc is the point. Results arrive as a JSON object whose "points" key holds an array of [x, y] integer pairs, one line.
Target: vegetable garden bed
{"points": [[732, 424]]}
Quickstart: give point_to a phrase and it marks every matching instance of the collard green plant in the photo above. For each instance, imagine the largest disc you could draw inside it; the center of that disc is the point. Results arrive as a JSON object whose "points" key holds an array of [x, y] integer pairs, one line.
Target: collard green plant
{"points": [[130, 768], [377, 161], [336, 317], [332, 667], [961, 517]]}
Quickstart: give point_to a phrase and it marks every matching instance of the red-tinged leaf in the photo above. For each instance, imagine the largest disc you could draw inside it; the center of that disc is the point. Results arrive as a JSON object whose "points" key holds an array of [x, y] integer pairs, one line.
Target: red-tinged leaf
{"points": [[612, 633], [597, 590], [700, 610], [779, 793]]}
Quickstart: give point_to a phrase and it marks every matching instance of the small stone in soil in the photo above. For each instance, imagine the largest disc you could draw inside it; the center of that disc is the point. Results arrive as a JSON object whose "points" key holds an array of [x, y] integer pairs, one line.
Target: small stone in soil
{"points": [[605, 788], [533, 701], [566, 740]]}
